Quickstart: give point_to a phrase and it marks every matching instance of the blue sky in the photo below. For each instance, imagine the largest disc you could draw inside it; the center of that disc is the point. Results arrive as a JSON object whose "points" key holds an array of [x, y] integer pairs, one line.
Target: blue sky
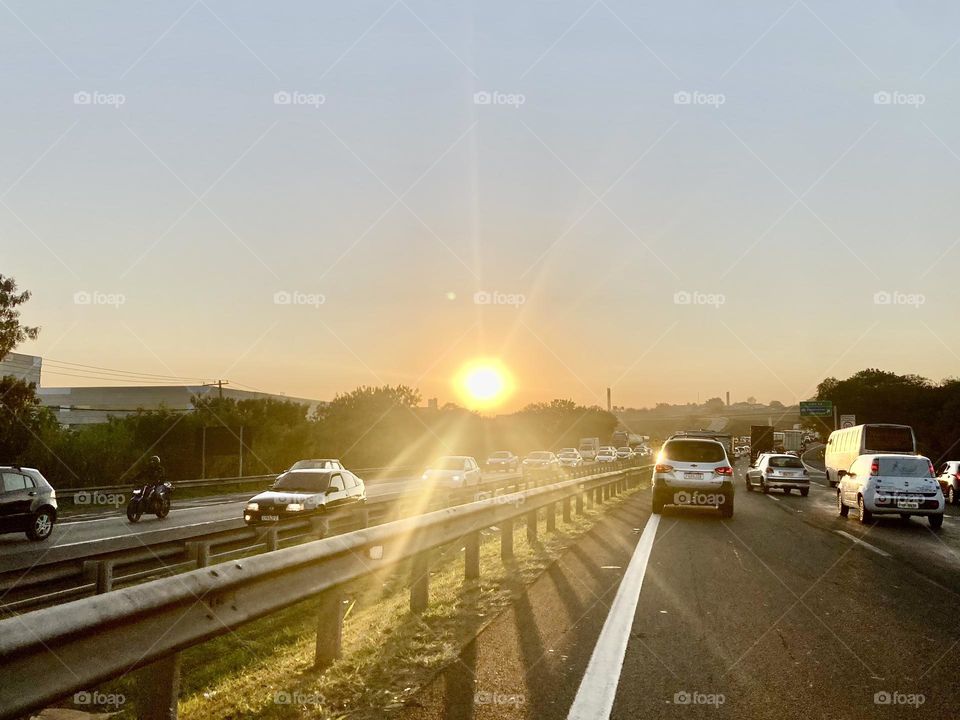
{"points": [[786, 188]]}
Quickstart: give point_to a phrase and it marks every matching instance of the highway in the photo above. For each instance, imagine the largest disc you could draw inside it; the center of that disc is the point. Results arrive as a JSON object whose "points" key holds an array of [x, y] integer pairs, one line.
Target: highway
{"points": [[786, 610]]}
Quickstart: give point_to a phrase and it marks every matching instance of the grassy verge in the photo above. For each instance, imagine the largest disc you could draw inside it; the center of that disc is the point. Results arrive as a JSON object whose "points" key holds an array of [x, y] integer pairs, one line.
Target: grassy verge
{"points": [[266, 668]]}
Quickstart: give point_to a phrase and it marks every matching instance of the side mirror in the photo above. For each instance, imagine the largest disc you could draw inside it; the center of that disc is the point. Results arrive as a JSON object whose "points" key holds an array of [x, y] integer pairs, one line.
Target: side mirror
{"points": [[842, 473], [332, 490]]}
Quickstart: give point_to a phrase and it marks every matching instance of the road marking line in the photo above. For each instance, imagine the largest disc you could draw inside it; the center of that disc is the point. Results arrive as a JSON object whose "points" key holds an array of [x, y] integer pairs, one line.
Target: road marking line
{"points": [[773, 498], [598, 689], [867, 545]]}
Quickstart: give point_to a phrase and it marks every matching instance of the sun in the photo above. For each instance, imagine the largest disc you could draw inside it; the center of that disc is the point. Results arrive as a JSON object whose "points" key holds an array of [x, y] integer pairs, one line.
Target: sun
{"points": [[483, 384]]}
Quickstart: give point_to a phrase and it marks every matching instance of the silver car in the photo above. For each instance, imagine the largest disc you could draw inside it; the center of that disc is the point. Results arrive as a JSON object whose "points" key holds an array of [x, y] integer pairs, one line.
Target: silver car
{"points": [[778, 472], [693, 472]]}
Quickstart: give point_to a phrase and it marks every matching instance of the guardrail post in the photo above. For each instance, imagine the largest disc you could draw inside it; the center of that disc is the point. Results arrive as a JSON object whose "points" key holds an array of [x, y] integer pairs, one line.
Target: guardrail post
{"points": [[551, 517], [598, 493], [532, 526], [471, 556], [320, 526], [104, 576], [580, 501], [566, 509], [420, 583], [506, 540], [329, 628], [363, 515], [272, 538], [199, 552], [160, 689]]}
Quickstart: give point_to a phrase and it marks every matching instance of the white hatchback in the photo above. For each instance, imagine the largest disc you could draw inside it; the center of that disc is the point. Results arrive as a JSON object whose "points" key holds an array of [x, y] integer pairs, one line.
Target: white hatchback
{"points": [[902, 485]]}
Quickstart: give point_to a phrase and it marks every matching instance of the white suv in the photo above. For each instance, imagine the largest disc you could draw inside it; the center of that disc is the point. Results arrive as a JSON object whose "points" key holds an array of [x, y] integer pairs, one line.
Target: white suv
{"points": [[693, 472], [902, 485]]}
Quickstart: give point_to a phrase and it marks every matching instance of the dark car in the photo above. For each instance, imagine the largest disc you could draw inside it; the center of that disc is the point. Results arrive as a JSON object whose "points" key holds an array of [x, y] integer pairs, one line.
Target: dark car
{"points": [[28, 503], [301, 493]]}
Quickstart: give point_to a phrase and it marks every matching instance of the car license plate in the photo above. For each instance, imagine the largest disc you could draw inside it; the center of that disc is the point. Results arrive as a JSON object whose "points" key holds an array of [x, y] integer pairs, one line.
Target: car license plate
{"points": [[908, 504], [693, 476], [269, 518]]}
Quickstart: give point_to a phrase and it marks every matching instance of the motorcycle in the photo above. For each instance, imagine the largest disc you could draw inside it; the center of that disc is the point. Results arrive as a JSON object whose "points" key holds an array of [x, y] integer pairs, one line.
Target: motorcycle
{"points": [[151, 499]]}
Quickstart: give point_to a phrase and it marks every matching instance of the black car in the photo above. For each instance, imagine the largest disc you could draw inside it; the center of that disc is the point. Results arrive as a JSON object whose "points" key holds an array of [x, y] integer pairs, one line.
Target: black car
{"points": [[28, 503], [301, 493]]}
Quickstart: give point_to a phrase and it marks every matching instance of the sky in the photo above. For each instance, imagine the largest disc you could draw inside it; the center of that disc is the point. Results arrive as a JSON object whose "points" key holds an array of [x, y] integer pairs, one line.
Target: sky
{"points": [[674, 200]]}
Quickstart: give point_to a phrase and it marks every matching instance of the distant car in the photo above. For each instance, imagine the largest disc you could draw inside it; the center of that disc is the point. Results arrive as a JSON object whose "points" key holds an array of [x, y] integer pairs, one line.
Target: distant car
{"points": [[606, 454], [28, 503], [301, 493], [569, 457], [453, 471], [503, 461], [314, 464], [625, 453], [891, 484], [693, 472], [780, 472], [540, 460], [950, 481]]}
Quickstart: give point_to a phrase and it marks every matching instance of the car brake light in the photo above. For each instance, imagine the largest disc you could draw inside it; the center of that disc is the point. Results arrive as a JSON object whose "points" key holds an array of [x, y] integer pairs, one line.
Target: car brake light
{"points": [[663, 468], [724, 471], [769, 471], [933, 471], [874, 467]]}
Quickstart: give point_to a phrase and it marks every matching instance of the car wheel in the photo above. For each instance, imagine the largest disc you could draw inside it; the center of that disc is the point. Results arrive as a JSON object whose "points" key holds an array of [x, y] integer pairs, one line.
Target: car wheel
{"points": [[951, 496], [866, 517], [804, 492], [763, 487], [936, 521], [41, 526], [163, 508], [841, 508], [133, 512]]}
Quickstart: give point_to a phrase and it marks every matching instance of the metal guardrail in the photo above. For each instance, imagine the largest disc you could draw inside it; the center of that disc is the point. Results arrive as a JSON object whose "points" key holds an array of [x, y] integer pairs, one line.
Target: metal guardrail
{"points": [[46, 655]]}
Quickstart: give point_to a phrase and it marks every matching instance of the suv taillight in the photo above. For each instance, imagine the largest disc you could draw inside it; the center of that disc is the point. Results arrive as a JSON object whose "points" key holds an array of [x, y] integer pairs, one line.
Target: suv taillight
{"points": [[933, 470], [663, 468], [724, 471], [874, 467]]}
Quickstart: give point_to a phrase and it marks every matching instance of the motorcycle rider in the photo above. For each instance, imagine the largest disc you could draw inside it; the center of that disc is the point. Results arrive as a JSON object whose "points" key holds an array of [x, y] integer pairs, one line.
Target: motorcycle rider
{"points": [[152, 475], [153, 497]]}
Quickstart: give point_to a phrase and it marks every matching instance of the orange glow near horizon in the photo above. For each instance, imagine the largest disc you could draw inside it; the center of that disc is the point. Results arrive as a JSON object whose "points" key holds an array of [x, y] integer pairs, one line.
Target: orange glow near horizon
{"points": [[483, 384]]}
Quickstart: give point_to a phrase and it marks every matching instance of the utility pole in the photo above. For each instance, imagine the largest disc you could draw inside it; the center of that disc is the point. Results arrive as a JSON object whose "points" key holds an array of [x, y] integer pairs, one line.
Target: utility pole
{"points": [[219, 384]]}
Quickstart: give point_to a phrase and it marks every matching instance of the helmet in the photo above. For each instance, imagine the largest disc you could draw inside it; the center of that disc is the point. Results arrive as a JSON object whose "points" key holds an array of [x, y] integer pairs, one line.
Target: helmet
{"points": [[155, 460]]}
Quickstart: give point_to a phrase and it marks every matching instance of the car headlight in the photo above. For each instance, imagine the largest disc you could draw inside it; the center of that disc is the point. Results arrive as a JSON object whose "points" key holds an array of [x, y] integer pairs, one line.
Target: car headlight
{"points": [[457, 478], [253, 507], [425, 476], [294, 507]]}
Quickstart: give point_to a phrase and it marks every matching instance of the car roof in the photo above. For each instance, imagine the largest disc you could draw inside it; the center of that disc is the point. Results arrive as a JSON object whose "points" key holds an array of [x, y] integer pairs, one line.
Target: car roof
{"points": [[312, 471]]}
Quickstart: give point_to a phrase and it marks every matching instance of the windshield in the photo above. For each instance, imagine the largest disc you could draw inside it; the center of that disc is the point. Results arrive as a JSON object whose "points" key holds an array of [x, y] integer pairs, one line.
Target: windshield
{"points": [[447, 463], [500, 454], [911, 467], [303, 480], [695, 451], [314, 465], [787, 461]]}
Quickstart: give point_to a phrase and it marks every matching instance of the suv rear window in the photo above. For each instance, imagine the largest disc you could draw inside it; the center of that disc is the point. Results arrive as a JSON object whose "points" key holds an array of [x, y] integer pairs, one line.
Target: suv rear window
{"points": [[912, 467], [693, 451], [785, 462]]}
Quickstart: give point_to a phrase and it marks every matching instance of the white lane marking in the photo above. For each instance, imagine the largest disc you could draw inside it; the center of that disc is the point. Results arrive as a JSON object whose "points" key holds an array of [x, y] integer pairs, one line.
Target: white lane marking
{"points": [[599, 685], [773, 498], [867, 545]]}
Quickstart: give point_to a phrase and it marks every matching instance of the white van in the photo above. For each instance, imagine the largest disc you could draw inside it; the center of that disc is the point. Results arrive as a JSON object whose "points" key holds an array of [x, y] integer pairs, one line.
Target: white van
{"points": [[846, 445], [891, 484]]}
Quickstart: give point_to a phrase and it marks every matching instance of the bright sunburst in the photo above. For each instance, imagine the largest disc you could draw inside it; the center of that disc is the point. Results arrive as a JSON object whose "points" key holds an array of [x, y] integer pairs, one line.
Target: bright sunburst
{"points": [[484, 384]]}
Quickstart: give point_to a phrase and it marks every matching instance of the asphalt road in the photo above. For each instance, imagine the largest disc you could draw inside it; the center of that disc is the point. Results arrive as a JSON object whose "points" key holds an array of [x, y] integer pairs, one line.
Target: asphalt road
{"points": [[784, 611]]}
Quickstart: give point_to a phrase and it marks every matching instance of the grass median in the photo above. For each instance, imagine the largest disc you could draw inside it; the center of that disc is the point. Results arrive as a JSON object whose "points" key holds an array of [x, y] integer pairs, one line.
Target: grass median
{"points": [[265, 669]]}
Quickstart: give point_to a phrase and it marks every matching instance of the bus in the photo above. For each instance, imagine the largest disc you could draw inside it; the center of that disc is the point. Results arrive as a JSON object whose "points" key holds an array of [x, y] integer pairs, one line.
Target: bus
{"points": [[846, 445]]}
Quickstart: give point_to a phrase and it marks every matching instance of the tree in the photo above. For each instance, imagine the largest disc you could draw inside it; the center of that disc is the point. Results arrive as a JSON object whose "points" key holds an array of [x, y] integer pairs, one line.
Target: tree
{"points": [[12, 332], [22, 418]]}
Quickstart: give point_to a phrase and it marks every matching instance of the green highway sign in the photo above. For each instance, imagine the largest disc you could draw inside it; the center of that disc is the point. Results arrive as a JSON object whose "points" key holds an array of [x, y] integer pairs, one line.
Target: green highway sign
{"points": [[816, 408]]}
